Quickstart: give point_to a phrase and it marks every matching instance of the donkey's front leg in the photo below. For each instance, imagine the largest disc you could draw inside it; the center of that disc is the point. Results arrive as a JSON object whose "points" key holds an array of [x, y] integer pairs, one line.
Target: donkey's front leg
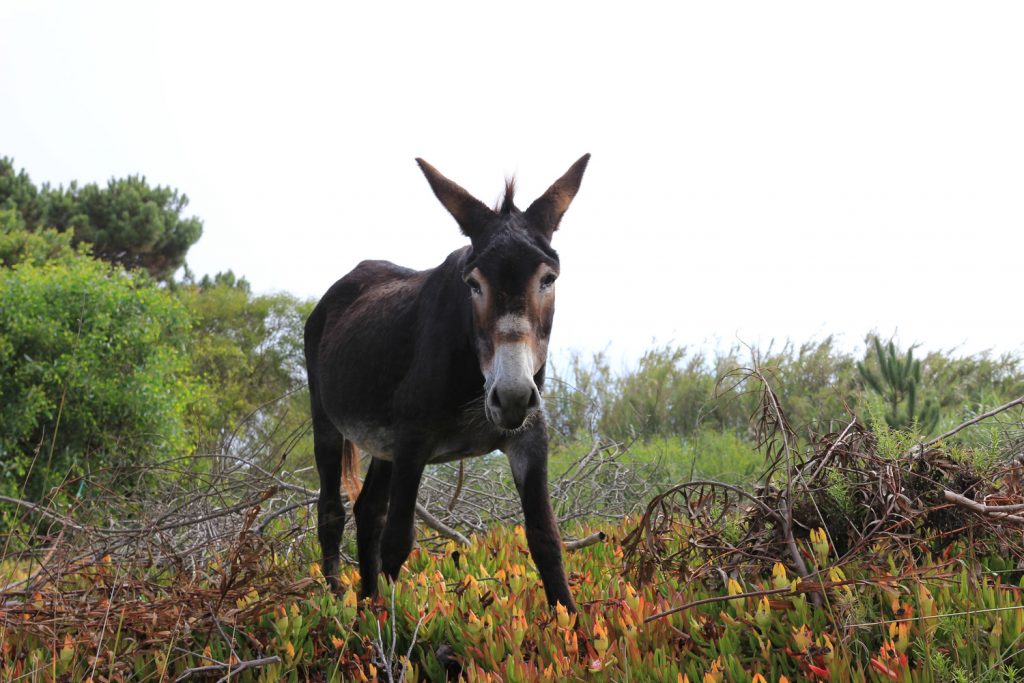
{"points": [[400, 529], [528, 455]]}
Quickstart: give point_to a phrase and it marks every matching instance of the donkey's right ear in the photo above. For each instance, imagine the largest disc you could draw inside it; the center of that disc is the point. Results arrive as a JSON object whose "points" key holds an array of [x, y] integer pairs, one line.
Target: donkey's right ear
{"points": [[469, 212]]}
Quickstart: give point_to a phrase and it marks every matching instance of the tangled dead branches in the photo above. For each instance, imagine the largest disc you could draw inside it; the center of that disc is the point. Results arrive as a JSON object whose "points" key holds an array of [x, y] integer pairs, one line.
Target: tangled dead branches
{"points": [[214, 540], [474, 493]]}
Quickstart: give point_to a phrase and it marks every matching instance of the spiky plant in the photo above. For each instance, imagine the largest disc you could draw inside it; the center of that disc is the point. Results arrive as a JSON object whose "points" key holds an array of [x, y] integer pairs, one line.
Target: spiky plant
{"points": [[897, 383]]}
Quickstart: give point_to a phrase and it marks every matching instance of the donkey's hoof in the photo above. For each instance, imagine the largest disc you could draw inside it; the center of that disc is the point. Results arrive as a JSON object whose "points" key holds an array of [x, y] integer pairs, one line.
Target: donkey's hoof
{"points": [[333, 584]]}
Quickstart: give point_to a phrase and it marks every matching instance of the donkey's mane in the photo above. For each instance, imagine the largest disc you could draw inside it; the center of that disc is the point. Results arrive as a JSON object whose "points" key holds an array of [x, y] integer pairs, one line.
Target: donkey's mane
{"points": [[507, 204]]}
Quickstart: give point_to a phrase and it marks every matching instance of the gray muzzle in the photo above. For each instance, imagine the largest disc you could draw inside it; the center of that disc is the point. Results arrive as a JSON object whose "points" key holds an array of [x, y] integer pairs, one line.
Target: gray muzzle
{"points": [[511, 394]]}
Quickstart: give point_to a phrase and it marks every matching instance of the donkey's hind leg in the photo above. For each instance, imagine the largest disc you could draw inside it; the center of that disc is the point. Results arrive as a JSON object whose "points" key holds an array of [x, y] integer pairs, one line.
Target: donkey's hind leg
{"points": [[371, 510], [328, 444]]}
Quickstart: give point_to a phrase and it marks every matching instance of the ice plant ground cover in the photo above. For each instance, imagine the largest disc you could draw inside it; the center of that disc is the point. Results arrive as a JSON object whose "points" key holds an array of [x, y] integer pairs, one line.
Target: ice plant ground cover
{"points": [[479, 612]]}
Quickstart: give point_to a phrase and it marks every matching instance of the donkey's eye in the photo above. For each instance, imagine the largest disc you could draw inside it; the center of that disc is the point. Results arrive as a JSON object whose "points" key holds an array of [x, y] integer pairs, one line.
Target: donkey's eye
{"points": [[547, 280], [474, 286]]}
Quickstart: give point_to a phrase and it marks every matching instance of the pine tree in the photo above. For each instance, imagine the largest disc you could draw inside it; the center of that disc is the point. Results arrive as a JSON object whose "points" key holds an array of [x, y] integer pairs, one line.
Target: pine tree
{"points": [[898, 384], [128, 222]]}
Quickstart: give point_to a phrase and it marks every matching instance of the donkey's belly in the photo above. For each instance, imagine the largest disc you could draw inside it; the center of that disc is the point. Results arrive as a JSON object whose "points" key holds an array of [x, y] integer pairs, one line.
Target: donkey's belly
{"points": [[377, 441], [467, 445], [469, 442]]}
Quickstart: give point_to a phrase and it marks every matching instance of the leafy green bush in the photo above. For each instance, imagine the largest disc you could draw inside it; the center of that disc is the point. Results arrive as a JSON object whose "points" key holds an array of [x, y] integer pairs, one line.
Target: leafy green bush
{"points": [[673, 392], [250, 347], [94, 372], [704, 454]]}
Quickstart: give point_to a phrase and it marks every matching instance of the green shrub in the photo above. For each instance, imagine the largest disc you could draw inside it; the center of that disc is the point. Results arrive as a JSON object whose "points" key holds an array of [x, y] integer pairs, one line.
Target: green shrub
{"points": [[250, 347], [93, 372], [18, 245]]}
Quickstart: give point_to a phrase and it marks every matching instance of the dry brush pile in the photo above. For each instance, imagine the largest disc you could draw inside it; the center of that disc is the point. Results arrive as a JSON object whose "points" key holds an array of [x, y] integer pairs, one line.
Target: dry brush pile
{"points": [[860, 486], [212, 542]]}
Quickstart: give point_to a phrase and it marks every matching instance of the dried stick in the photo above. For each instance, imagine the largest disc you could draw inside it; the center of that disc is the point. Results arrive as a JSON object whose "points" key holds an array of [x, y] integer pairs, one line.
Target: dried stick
{"points": [[964, 425], [585, 541], [989, 510], [439, 526], [45, 512], [232, 668], [285, 510], [717, 598], [458, 486], [803, 587]]}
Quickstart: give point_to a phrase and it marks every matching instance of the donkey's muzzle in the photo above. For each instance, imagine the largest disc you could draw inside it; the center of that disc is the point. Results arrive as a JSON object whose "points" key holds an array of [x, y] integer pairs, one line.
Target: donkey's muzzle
{"points": [[508, 407], [512, 394]]}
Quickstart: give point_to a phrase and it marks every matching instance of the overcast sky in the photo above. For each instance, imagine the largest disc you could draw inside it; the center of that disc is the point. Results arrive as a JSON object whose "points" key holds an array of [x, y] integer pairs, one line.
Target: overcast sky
{"points": [[760, 170]]}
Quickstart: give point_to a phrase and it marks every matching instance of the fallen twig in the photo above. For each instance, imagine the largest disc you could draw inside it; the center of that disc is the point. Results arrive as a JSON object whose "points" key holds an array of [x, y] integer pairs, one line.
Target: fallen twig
{"points": [[439, 526], [285, 510], [717, 598], [989, 510], [812, 587], [232, 669], [596, 537], [45, 512]]}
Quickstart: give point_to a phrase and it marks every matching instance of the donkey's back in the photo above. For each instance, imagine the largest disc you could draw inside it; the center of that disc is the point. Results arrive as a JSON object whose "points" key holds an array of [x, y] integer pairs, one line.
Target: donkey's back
{"points": [[354, 337]]}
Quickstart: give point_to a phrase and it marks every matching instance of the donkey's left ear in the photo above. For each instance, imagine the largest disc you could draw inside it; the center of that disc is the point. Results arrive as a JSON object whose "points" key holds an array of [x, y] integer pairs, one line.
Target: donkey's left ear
{"points": [[546, 212]]}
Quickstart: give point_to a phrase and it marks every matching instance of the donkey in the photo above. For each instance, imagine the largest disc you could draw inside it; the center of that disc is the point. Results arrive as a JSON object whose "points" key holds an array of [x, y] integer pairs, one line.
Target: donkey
{"points": [[418, 367]]}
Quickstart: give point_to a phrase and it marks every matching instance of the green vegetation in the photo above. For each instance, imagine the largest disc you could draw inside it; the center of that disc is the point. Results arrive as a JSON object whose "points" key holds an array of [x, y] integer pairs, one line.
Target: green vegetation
{"points": [[897, 382], [482, 610], [47, 245], [94, 373], [104, 367], [702, 454], [677, 394], [247, 349]]}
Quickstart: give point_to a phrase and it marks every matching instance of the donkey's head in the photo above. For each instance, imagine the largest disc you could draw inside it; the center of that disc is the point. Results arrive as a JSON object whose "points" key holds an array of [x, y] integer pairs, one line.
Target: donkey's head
{"points": [[510, 278]]}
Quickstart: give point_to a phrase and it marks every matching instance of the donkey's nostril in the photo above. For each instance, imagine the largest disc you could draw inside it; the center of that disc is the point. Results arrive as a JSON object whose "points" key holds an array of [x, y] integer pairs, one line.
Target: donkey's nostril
{"points": [[494, 399], [534, 399]]}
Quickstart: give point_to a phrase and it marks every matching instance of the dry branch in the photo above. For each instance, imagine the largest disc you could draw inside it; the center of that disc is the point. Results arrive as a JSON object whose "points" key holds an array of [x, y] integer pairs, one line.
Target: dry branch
{"points": [[232, 669], [997, 511], [439, 526], [964, 425], [44, 511], [593, 538]]}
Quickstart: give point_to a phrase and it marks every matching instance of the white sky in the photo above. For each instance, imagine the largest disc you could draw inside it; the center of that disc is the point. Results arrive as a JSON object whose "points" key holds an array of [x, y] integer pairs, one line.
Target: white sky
{"points": [[760, 170]]}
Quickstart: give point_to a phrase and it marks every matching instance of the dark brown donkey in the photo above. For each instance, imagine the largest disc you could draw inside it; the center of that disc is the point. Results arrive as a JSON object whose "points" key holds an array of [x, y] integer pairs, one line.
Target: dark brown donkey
{"points": [[418, 367]]}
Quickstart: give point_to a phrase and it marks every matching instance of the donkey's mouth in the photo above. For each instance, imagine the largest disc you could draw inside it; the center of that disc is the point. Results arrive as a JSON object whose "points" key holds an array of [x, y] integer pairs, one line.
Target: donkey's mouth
{"points": [[509, 428], [510, 408]]}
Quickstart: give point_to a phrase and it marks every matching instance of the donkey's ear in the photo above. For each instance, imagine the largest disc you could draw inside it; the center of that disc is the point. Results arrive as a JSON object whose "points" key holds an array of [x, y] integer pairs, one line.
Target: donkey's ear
{"points": [[546, 212], [469, 212]]}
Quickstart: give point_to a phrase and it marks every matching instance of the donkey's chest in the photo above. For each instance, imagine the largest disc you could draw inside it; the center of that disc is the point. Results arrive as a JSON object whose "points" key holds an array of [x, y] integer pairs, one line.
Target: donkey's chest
{"points": [[464, 441]]}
